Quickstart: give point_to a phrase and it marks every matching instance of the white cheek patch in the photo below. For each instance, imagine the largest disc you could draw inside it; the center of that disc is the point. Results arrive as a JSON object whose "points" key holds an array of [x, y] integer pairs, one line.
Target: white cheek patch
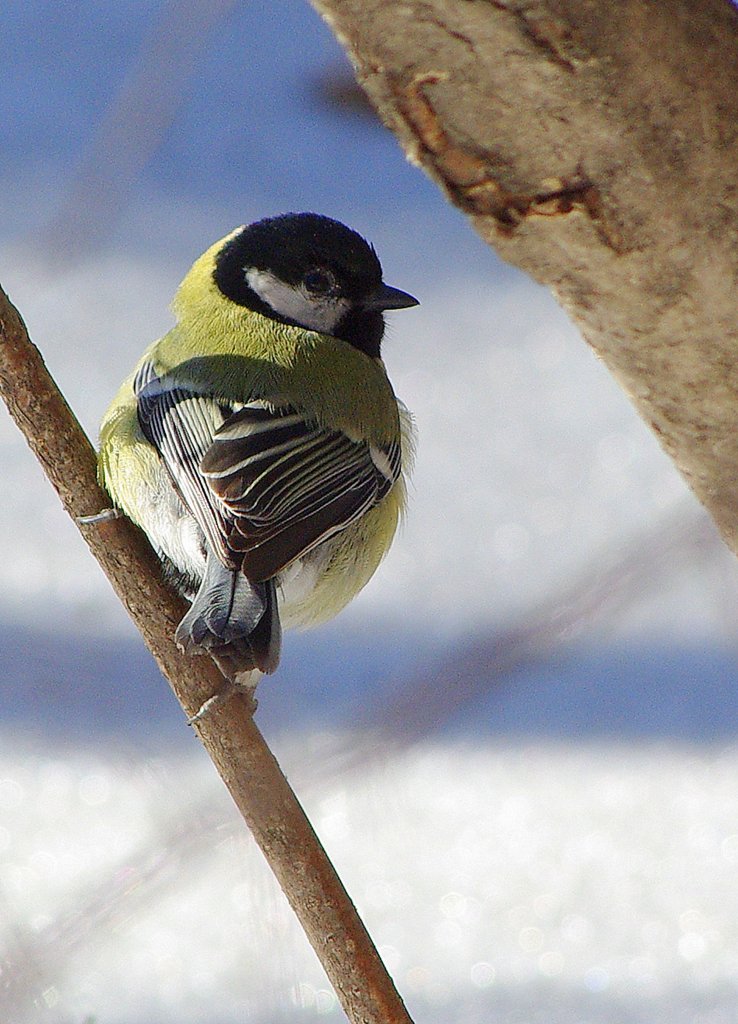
{"points": [[317, 313]]}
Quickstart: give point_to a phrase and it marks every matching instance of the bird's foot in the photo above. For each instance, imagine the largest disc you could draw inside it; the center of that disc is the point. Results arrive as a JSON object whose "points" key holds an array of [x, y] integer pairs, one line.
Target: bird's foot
{"points": [[105, 515]]}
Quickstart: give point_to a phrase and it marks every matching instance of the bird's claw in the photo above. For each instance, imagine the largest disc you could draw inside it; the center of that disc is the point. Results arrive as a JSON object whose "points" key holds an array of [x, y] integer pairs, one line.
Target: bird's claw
{"points": [[105, 515]]}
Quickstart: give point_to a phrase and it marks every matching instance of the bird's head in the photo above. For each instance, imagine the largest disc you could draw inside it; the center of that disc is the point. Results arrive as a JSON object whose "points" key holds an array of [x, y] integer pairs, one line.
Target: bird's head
{"points": [[313, 272]]}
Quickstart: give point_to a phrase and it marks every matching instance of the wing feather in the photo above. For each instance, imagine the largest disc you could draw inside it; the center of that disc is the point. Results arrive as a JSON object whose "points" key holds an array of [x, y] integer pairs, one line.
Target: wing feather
{"points": [[265, 485], [286, 498], [181, 424]]}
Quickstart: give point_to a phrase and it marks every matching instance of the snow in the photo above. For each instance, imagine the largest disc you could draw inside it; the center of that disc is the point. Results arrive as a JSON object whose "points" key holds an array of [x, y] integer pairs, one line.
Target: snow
{"points": [[518, 743], [511, 882]]}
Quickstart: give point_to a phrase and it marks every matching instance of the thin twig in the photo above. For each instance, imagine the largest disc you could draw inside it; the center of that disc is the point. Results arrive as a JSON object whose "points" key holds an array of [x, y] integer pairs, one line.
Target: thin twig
{"points": [[415, 707], [133, 126], [239, 752]]}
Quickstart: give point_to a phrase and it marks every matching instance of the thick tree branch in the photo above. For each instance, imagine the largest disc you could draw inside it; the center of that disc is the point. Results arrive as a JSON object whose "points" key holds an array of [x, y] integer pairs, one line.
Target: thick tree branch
{"points": [[229, 734], [595, 146]]}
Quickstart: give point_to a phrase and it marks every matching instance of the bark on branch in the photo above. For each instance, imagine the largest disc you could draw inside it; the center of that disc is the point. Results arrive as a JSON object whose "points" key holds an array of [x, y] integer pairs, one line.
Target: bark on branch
{"points": [[595, 146], [229, 734]]}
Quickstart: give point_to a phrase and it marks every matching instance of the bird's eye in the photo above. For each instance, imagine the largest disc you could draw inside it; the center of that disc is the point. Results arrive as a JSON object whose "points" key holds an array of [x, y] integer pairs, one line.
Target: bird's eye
{"points": [[318, 282]]}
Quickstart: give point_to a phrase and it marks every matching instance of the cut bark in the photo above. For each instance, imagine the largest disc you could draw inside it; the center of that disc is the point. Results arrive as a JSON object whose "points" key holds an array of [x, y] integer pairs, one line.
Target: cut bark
{"points": [[594, 145]]}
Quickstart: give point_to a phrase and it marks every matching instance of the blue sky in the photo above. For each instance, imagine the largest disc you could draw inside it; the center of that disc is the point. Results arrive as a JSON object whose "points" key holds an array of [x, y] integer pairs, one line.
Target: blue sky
{"points": [[248, 135]]}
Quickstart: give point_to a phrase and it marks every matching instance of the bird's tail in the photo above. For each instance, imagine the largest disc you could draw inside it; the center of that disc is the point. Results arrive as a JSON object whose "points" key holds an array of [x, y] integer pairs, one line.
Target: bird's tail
{"points": [[233, 618]]}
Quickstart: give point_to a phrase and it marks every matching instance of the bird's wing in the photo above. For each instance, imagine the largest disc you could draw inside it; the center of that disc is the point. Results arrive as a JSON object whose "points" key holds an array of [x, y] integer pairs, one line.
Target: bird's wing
{"points": [[290, 484], [180, 424], [264, 484]]}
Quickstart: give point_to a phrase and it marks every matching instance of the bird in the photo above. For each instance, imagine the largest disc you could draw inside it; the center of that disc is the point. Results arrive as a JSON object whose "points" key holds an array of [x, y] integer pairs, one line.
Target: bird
{"points": [[259, 444]]}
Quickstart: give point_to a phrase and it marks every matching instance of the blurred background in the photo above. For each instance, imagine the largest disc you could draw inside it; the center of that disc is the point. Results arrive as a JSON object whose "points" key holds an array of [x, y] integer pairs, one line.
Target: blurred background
{"points": [[518, 744]]}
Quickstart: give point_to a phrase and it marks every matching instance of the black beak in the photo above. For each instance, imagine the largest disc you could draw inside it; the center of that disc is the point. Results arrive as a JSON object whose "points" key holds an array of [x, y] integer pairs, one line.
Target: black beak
{"points": [[387, 297]]}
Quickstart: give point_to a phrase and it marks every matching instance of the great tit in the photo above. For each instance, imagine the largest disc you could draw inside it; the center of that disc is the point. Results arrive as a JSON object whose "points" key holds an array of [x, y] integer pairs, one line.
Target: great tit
{"points": [[259, 444]]}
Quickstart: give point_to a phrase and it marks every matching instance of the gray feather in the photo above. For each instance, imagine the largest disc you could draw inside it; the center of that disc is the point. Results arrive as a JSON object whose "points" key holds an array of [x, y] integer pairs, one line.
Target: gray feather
{"points": [[229, 612]]}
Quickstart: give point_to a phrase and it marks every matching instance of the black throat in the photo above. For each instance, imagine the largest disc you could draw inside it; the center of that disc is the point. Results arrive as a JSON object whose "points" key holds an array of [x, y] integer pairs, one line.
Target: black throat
{"points": [[364, 329]]}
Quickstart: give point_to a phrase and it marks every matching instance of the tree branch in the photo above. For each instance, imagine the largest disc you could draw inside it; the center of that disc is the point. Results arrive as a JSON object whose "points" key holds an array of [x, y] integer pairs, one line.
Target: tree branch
{"points": [[229, 734], [594, 146]]}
